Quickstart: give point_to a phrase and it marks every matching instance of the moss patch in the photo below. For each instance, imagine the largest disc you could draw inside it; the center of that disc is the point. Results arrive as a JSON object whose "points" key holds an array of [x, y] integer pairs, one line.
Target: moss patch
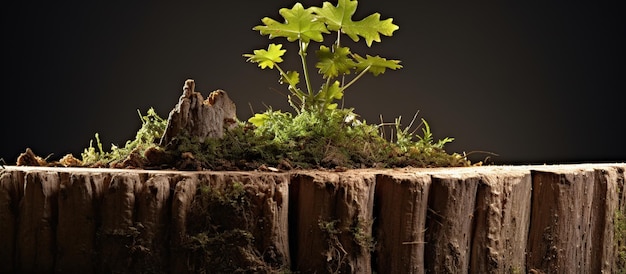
{"points": [[221, 233], [331, 139]]}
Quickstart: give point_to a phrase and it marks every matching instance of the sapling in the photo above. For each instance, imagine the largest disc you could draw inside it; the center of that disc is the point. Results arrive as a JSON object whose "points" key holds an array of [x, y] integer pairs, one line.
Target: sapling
{"points": [[321, 134], [334, 62], [321, 131]]}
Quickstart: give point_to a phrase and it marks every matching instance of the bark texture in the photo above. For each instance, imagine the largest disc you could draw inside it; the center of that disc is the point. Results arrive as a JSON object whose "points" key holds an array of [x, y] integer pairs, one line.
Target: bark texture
{"points": [[572, 219], [501, 222], [449, 229], [333, 222], [401, 206], [37, 223], [526, 219], [80, 196]]}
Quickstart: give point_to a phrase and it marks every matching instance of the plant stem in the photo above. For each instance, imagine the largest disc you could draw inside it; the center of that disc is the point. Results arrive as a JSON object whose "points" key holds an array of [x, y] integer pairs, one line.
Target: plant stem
{"points": [[302, 53], [292, 87], [356, 78]]}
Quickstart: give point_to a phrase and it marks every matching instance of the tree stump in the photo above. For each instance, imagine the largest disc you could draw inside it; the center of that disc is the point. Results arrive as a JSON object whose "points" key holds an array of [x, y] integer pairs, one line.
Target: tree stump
{"points": [[488, 219]]}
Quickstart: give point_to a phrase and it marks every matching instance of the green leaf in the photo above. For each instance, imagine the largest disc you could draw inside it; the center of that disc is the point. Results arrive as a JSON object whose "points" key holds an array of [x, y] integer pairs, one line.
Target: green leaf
{"points": [[291, 78], [369, 28], [333, 63], [340, 18], [336, 17], [333, 91], [258, 119], [328, 94], [267, 58], [376, 64], [300, 24]]}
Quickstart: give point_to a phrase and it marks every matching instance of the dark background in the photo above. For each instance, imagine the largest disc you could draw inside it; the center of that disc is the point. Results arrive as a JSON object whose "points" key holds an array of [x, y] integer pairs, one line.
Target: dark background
{"points": [[539, 82]]}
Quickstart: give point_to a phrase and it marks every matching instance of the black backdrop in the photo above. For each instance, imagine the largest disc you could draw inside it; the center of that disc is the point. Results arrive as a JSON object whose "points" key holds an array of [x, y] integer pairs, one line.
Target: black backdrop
{"points": [[539, 82]]}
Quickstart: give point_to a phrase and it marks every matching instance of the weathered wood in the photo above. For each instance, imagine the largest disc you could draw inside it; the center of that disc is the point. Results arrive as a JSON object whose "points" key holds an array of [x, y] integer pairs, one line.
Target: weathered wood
{"points": [[11, 192], [267, 197], [604, 207], [248, 209], [449, 229], [619, 244], [552, 219], [184, 193], [118, 233], [36, 235], [152, 221], [209, 208], [572, 214], [79, 199], [332, 220], [400, 220], [501, 222], [197, 117]]}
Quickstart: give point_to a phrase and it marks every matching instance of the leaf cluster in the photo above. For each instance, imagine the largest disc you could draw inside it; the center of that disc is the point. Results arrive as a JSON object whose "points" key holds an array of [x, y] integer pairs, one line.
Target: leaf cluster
{"points": [[334, 61]]}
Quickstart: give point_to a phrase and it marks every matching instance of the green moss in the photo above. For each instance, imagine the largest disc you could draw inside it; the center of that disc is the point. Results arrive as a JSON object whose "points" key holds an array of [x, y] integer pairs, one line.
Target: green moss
{"points": [[327, 139], [310, 139], [361, 235], [335, 253], [152, 128], [221, 233]]}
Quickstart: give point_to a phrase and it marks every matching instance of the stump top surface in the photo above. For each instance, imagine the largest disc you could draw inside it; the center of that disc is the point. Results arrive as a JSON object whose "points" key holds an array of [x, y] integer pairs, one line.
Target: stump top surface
{"points": [[432, 171]]}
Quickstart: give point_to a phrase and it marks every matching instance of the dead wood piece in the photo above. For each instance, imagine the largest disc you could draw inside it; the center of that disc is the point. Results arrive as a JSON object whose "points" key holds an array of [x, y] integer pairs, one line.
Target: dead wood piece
{"points": [[28, 158], [197, 117]]}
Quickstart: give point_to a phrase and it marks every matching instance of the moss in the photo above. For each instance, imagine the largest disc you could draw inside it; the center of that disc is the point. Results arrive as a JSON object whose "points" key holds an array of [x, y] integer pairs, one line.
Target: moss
{"points": [[132, 154], [336, 254], [310, 139], [221, 233], [361, 235]]}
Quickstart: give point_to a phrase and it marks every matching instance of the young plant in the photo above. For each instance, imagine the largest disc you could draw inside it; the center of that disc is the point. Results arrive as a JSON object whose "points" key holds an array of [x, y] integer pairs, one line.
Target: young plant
{"points": [[306, 25], [320, 134]]}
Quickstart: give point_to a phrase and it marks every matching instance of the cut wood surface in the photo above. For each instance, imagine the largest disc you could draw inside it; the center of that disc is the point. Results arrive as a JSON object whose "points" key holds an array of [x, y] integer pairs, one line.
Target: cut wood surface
{"points": [[490, 219]]}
